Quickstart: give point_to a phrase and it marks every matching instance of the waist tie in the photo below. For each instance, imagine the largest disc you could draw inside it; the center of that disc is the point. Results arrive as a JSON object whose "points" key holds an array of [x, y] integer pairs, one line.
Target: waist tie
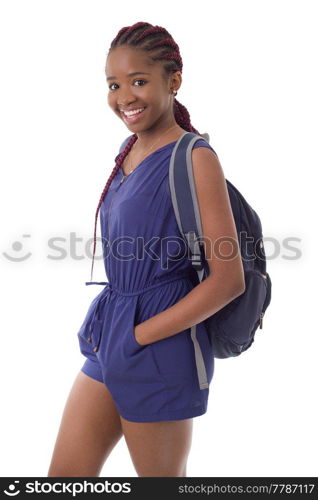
{"points": [[96, 323], [159, 282]]}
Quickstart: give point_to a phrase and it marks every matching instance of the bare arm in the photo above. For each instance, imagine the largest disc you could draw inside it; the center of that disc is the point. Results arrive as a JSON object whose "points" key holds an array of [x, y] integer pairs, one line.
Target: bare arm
{"points": [[226, 279]]}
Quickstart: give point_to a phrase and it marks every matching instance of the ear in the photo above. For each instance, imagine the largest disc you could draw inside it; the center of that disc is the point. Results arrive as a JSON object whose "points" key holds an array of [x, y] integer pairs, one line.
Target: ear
{"points": [[175, 80]]}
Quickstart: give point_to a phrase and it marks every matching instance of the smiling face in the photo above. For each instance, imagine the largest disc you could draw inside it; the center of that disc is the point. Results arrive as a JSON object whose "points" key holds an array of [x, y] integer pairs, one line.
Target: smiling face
{"points": [[135, 82]]}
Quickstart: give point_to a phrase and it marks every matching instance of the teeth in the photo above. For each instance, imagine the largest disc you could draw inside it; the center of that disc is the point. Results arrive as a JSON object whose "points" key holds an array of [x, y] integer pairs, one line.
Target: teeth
{"points": [[130, 113]]}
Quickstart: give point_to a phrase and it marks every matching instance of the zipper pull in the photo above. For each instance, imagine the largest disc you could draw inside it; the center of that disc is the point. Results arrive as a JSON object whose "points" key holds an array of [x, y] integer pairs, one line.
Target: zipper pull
{"points": [[261, 320], [122, 179]]}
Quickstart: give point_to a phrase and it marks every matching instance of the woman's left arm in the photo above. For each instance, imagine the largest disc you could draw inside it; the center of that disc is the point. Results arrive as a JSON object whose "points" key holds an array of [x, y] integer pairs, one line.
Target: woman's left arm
{"points": [[222, 251]]}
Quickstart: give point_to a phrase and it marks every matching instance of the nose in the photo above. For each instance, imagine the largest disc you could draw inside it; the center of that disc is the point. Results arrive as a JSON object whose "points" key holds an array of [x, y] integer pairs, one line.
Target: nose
{"points": [[125, 98], [123, 103]]}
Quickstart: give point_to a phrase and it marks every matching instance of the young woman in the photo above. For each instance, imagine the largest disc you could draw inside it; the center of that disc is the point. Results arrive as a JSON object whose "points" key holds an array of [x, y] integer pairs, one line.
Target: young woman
{"points": [[141, 378]]}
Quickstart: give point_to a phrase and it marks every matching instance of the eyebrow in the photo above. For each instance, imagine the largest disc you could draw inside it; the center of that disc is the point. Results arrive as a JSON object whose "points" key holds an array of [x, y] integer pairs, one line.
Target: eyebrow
{"points": [[129, 74]]}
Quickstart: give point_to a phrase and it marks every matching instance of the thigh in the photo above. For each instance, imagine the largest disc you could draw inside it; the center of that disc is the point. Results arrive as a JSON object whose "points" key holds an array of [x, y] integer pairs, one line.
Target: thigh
{"points": [[90, 428], [159, 449]]}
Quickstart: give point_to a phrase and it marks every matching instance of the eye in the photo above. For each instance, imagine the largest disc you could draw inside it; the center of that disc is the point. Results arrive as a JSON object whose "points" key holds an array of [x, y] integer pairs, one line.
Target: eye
{"points": [[139, 80], [144, 81]]}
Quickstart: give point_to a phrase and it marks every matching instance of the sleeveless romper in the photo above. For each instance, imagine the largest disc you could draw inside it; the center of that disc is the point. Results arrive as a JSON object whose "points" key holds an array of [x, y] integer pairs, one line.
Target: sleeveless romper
{"points": [[148, 268]]}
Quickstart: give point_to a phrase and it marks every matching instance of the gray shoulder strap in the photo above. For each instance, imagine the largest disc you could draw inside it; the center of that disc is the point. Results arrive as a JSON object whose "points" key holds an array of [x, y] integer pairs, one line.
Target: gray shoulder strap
{"points": [[184, 198], [187, 213]]}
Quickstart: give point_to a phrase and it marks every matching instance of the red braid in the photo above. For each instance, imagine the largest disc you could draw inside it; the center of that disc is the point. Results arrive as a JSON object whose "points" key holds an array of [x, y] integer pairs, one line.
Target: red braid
{"points": [[159, 45]]}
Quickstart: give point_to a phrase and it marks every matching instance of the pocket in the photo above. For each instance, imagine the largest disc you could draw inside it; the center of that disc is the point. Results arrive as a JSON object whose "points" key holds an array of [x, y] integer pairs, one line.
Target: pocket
{"points": [[132, 336], [84, 331], [145, 354], [125, 359], [133, 322], [174, 355]]}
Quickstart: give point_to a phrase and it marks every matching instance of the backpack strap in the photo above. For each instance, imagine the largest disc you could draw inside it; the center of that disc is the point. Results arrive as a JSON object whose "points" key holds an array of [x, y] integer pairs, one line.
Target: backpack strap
{"points": [[184, 198], [186, 209]]}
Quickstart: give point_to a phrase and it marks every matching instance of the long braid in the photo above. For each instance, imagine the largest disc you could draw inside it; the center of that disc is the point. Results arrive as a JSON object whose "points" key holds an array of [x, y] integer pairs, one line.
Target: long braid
{"points": [[160, 46], [117, 166]]}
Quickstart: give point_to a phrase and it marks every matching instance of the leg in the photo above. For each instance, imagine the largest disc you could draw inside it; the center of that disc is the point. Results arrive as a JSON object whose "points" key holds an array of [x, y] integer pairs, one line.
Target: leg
{"points": [[159, 449], [89, 430]]}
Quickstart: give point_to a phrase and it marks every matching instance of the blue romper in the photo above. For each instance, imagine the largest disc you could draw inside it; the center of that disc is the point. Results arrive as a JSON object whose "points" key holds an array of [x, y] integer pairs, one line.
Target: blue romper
{"points": [[148, 268]]}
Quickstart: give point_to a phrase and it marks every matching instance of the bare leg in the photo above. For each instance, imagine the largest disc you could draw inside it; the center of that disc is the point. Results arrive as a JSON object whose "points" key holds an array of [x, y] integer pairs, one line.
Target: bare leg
{"points": [[159, 449], [89, 430]]}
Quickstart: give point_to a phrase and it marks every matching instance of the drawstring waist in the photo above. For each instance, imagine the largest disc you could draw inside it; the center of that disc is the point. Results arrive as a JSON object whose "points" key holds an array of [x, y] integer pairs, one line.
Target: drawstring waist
{"points": [[159, 282], [96, 324]]}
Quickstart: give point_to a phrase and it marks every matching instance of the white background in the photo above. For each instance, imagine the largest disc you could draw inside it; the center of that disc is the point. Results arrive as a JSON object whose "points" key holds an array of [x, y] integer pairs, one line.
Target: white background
{"points": [[250, 81]]}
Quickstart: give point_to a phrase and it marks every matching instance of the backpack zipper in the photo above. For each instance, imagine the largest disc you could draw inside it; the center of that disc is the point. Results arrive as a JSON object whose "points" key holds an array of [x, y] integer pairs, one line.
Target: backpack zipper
{"points": [[267, 300], [261, 316]]}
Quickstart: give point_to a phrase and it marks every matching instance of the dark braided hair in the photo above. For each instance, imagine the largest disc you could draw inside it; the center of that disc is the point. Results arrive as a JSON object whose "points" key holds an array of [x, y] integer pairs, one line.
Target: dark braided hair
{"points": [[160, 46]]}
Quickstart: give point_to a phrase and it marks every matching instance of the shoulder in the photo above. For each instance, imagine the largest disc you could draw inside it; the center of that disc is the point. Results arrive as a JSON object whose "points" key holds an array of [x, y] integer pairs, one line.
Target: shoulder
{"points": [[202, 143], [207, 170]]}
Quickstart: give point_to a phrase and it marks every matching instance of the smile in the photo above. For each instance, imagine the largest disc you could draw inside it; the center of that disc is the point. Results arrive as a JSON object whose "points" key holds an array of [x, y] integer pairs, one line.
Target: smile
{"points": [[133, 116]]}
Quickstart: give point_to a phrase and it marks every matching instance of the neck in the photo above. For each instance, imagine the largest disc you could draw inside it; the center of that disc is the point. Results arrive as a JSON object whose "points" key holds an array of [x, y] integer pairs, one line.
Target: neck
{"points": [[146, 138]]}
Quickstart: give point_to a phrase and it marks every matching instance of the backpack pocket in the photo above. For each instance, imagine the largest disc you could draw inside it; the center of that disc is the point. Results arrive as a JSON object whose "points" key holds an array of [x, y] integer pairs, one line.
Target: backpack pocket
{"points": [[232, 329]]}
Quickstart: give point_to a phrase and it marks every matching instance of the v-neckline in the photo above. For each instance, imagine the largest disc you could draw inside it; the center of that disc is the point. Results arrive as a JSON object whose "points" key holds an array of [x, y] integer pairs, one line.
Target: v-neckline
{"points": [[146, 158]]}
